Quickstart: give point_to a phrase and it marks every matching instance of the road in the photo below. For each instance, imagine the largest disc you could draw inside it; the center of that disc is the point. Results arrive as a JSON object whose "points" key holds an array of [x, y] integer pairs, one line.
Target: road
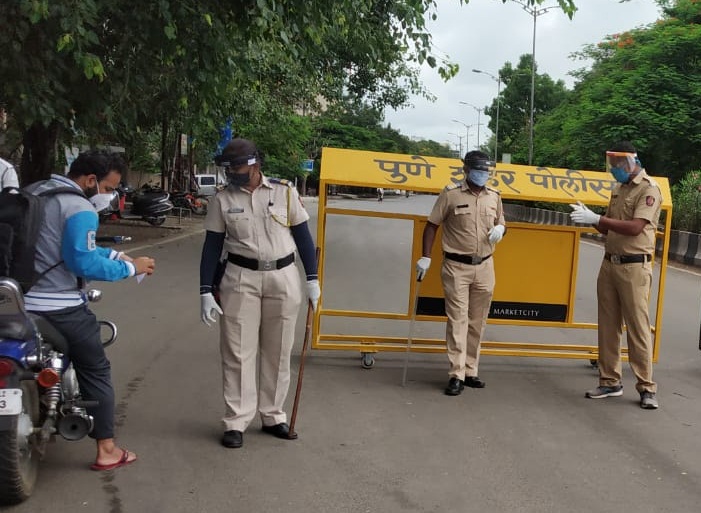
{"points": [[528, 442]]}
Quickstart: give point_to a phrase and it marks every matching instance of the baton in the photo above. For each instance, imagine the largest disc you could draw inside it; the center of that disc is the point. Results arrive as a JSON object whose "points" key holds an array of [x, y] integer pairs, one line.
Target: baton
{"points": [[411, 332]]}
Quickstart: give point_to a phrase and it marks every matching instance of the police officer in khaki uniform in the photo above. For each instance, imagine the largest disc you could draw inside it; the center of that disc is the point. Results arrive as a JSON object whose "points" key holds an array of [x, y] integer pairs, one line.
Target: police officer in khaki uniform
{"points": [[257, 223], [625, 277], [473, 223]]}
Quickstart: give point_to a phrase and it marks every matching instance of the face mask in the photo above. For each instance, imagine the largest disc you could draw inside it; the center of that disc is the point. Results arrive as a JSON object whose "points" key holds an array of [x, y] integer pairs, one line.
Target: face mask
{"points": [[478, 177], [620, 174], [100, 200], [239, 179]]}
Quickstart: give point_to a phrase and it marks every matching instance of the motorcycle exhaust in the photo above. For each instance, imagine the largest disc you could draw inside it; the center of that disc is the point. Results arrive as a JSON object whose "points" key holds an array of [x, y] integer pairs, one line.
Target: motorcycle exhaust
{"points": [[74, 426]]}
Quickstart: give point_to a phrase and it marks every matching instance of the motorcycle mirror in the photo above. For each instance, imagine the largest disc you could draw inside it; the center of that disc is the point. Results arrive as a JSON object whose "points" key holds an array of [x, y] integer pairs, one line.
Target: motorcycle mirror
{"points": [[94, 295]]}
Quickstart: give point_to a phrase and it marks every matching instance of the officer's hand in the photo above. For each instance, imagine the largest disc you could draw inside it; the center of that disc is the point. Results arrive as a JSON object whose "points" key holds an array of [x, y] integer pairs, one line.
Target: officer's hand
{"points": [[208, 305], [144, 265], [582, 215], [422, 266], [313, 292], [496, 233]]}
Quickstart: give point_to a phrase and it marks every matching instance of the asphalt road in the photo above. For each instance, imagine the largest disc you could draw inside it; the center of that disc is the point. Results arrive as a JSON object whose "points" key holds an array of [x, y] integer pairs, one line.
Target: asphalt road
{"points": [[528, 442]]}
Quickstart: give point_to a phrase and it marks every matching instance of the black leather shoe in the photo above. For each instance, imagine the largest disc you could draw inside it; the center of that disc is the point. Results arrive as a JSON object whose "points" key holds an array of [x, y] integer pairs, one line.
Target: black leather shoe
{"points": [[474, 382], [454, 387], [232, 439], [281, 430]]}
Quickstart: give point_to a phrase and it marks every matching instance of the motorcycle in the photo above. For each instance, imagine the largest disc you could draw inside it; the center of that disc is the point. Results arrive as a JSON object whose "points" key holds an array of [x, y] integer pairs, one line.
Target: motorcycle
{"points": [[39, 393], [150, 204], [196, 205]]}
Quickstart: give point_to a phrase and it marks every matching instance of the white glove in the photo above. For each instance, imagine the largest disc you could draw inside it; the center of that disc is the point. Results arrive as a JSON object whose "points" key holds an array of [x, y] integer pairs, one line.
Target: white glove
{"points": [[313, 292], [208, 304], [422, 266], [496, 233], [582, 215]]}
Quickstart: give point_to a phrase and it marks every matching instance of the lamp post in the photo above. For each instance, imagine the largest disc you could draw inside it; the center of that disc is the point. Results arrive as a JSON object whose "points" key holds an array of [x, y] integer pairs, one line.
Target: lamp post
{"points": [[496, 131], [459, 142], [535, 12], [467, 134], [479, 113]]}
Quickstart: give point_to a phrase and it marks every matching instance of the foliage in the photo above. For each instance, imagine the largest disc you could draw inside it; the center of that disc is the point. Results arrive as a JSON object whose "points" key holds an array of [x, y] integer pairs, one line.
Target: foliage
{"points": [[515, 106], [644, 86], [686, 197]]}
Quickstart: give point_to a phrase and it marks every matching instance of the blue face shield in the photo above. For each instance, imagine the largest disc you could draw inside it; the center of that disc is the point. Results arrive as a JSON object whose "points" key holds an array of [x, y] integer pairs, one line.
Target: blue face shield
{"points": [[478, 177]]}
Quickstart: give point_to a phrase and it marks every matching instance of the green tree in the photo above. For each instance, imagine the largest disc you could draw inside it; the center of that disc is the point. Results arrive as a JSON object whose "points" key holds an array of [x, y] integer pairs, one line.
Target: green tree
{"points": [[644, 86]]}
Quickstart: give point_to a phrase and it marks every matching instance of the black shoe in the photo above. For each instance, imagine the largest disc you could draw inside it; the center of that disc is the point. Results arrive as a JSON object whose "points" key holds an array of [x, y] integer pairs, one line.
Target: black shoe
{"points": [[232, 439], [455, 387], [281, 430], [474, 382]]}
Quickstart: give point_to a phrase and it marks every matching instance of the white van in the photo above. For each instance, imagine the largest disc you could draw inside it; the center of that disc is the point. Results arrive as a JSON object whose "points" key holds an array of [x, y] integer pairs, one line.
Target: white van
{"points": [[206, 185]]}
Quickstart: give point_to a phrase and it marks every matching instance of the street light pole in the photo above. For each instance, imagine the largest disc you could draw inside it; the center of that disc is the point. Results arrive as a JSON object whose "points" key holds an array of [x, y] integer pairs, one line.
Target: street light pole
{"points": [[467, 134], [479, 113], [535, 12], [496, 131], [459, 143]]}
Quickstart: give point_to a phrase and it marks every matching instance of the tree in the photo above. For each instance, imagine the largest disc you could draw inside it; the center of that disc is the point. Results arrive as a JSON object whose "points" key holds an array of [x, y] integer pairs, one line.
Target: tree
{"points": [[644, 86], [515, 106]]}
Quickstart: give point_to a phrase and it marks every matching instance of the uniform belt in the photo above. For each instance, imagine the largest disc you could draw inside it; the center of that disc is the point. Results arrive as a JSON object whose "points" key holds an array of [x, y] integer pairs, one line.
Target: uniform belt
{"points": [[627, 259], [261, 265], [466, 259]]}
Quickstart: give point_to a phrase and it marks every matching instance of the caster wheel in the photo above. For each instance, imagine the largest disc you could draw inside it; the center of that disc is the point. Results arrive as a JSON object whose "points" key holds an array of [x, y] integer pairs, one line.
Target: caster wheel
{"points": [[367, 360], [594, 363]]}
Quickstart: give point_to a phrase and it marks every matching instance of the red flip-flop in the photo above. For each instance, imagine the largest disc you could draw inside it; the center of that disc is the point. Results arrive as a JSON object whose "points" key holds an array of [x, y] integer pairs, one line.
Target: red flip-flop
{"points": [[124, 460]]}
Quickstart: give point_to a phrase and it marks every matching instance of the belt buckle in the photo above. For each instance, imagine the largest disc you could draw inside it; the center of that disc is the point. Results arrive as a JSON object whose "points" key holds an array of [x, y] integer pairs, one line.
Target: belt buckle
{"points": [[266, 265], [476, 260], [616, 259]]}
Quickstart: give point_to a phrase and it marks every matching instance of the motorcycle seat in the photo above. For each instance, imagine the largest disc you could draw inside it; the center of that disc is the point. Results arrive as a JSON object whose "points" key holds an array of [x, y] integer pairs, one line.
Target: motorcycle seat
{"points": [[50, 334]]}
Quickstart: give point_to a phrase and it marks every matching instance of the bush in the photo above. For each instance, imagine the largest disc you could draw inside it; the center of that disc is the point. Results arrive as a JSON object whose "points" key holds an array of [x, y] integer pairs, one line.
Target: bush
{"points": [[686, 198]]}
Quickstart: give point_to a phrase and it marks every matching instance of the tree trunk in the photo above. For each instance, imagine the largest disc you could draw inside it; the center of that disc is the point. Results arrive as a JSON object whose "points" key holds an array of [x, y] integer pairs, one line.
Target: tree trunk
{"points": [[39, 153]]}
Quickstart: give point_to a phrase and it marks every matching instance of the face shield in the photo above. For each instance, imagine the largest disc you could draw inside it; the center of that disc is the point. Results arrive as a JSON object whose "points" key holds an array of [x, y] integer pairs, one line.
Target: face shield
{"points": [[233, 164], [621, 164]]}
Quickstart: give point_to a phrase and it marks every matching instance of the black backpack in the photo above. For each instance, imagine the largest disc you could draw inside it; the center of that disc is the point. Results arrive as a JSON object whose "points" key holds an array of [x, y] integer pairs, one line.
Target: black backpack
{"points": [[21, 216]]}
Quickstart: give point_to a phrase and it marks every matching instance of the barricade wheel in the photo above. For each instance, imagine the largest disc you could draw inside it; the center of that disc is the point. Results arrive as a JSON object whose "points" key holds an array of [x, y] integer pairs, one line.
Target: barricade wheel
{"points": [[367, 360], [594, 363]]}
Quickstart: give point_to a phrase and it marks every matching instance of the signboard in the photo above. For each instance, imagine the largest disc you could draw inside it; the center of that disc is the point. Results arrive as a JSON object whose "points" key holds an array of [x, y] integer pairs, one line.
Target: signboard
{"points": [[308, 165]]}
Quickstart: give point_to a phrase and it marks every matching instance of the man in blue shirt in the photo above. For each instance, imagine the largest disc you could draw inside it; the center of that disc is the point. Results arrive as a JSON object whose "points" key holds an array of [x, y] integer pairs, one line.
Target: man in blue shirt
{"points": [[66, 257]]}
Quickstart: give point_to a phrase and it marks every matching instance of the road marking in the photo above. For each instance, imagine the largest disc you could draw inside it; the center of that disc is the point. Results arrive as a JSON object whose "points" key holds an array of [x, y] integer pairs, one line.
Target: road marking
{"points": [[165, 241]]}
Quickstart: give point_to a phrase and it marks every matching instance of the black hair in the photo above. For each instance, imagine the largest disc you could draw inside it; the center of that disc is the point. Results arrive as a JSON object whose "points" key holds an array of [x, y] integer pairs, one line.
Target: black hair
{"points": [[97, 162], [623, 146]]}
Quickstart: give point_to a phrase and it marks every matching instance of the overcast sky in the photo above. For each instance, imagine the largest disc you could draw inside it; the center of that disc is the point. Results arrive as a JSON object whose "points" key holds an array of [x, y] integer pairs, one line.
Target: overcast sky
{"points": [[485, 34]]}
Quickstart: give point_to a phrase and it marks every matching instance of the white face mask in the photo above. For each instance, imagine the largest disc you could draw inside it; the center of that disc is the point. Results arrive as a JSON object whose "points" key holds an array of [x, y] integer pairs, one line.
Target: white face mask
{"points": [[101, 200]]}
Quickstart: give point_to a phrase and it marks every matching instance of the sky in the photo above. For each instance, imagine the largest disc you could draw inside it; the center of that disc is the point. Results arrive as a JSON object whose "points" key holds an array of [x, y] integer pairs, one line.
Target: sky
{"points": [[485, 34]]}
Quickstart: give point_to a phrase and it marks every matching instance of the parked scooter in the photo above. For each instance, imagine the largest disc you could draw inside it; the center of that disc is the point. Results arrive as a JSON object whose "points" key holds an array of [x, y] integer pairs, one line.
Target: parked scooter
{"points": [[151, 205], [39, 393], [197, 205]]}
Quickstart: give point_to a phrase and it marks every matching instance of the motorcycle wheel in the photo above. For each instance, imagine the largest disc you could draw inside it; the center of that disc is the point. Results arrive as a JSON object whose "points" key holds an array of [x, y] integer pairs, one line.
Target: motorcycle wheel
{"points": [[155, 221], [19, 455]]}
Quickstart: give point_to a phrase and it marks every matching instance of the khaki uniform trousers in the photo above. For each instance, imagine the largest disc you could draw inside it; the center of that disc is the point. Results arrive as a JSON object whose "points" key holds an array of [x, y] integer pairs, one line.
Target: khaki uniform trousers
{"points": [[623, 291], [468, 294], [260, 313]]}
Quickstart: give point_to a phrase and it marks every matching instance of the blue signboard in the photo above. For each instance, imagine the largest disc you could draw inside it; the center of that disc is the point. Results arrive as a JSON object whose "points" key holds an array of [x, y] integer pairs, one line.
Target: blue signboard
{"points": [[308, 165]]}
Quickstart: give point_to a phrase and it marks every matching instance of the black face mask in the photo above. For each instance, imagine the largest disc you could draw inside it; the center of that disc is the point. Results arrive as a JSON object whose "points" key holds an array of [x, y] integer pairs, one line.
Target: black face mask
{"points": [[239, 179]]}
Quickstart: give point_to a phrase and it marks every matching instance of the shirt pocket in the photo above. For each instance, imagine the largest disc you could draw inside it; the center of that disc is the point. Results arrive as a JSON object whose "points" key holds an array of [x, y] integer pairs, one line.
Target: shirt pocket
{"points": [[463, 216], [238, 226], [278, 216], [489, 214]]}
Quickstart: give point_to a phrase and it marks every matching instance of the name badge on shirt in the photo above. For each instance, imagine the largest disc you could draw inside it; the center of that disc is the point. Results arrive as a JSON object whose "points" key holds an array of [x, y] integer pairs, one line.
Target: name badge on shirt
{"points": [[235, 210]]}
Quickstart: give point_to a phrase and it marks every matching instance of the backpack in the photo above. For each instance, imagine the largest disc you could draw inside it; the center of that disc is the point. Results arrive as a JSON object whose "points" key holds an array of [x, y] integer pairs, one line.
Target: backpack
{"points": [[21, 216]]}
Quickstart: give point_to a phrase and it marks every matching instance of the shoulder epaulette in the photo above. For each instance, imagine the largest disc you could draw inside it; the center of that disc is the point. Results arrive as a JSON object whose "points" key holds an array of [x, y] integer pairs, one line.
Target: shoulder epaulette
{"points": [[452, 186], [493, 190], [281, 181]]}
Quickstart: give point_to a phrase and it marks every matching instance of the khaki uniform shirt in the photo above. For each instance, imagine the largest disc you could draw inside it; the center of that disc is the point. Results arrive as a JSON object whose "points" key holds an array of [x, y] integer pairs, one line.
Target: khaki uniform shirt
{"points": [[638, 199], [467, 218], [257, 224]]}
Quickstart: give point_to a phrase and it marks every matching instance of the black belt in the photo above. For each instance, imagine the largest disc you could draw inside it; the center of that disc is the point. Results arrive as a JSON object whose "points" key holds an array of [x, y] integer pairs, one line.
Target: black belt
{"points": [[261, 265], [466, 259], [627, 259]]}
